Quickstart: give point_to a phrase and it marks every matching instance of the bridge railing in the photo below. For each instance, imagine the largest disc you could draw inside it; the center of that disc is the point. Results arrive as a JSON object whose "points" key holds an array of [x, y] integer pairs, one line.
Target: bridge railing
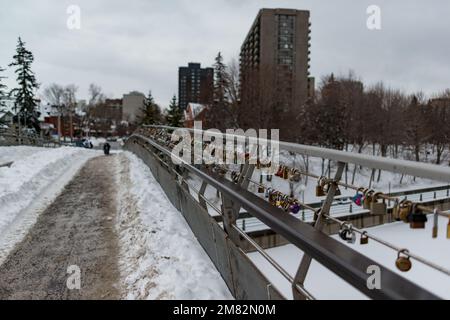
{"points": [[337, 257], [10, 137]]}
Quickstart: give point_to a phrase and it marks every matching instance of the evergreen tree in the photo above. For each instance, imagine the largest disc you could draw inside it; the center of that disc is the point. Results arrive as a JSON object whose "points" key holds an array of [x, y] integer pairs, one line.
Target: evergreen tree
{"points": [[25, 104], [151, 111], [174, 114], [220, 80], [220, 115], [2, 96]]}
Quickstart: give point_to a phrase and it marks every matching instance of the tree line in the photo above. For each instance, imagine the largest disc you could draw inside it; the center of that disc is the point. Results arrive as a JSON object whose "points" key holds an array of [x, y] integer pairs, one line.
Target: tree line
{"points": [[344, 113], [63, 100]]}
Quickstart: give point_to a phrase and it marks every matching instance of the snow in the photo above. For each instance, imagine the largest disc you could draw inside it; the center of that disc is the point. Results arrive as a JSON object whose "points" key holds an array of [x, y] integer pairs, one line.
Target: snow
{"points": [[8, 154], [97, 142], [323, 284], [160, 256], [30, 184]]}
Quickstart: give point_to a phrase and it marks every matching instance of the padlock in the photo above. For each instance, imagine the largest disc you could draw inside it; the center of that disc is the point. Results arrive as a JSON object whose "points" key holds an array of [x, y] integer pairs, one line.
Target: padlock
{"points": [[367, 199], [417, 219], [448, 229], [405, 210], [296, 177], [396, 211], [260, 189], [295, 208], [376, 207], [258, 164], [352, 237], [347, 234], [358, 198], [364, 238], [287, 204], [272, 197], [286, 173], [319, 188], [267, 193], [343, 234], [435, 224], [260, 186], [403, 263], [280, 172]]}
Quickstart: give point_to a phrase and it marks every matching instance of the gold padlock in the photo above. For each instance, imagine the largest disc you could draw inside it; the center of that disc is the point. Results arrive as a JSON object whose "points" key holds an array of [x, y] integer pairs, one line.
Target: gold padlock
{"points": [[376, 207], [405, 209], [403, 263], [448, 229], [364, 238], [286, 173], [261, 186], [367, 199], [396, 211], [319, 188]]}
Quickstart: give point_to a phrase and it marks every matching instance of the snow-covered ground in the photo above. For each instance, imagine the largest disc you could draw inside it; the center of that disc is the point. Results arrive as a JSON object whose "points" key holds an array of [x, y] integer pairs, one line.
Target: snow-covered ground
{"points": [[160, 256], [323, 284], [30, 184]]}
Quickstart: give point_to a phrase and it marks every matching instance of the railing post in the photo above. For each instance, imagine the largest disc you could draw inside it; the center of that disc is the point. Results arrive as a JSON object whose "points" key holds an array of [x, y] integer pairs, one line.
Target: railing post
{"points": [[319, 223], [230, 215], [201, 194]]}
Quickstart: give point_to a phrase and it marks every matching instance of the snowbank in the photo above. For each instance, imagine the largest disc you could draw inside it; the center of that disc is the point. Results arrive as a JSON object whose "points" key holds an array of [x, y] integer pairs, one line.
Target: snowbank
{"points": [[160, 256], [8, 154], [34, 180]]}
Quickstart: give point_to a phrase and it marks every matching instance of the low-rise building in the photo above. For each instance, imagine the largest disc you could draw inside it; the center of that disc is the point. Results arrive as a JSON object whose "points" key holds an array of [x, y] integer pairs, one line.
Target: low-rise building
{"points": [[132, 106]]}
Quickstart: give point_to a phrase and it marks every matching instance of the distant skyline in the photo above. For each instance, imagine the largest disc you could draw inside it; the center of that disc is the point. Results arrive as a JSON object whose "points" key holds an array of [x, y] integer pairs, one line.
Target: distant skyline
{"points": [[139, 44]]}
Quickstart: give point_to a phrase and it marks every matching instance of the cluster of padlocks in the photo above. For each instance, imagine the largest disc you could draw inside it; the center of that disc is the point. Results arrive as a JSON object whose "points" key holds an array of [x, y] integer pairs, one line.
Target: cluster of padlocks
{"points": [[375, 202]]}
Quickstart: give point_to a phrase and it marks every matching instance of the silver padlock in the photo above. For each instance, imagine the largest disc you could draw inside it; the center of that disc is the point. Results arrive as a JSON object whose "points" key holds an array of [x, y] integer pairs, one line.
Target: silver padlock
{"points": [[351, 236]]}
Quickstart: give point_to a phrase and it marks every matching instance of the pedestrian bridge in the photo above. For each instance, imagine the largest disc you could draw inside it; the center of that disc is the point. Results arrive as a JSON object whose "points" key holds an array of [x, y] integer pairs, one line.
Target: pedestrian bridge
{"points": [[223, 226]]}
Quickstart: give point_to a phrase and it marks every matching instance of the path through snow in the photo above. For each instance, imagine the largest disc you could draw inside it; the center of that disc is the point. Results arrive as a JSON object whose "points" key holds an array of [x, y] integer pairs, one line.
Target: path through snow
{"points": [[77, 229], [112, 220]]}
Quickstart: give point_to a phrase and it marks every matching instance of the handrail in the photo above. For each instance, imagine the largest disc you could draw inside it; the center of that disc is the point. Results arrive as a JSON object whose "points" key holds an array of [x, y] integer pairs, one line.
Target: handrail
{"points": [[27, 137], [337, 257], [422, 170]]}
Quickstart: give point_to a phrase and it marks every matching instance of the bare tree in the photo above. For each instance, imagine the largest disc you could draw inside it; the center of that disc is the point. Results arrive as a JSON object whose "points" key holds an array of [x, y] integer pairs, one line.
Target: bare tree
{"points": [[54, 94], [96, 95], [438, 119]]}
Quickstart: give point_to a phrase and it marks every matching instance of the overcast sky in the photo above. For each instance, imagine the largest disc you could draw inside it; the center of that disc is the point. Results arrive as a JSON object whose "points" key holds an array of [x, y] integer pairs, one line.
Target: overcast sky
{"points": [[139, 44]]}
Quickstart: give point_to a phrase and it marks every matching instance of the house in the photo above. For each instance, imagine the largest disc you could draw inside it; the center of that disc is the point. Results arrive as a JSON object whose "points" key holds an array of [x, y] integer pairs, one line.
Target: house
{"points": [[194, 112]]}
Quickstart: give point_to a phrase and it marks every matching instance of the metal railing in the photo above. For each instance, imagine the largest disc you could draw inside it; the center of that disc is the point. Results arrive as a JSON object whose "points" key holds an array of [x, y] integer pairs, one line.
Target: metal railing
{"points": [[11, 137], [422, 170], [337, 257]]}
